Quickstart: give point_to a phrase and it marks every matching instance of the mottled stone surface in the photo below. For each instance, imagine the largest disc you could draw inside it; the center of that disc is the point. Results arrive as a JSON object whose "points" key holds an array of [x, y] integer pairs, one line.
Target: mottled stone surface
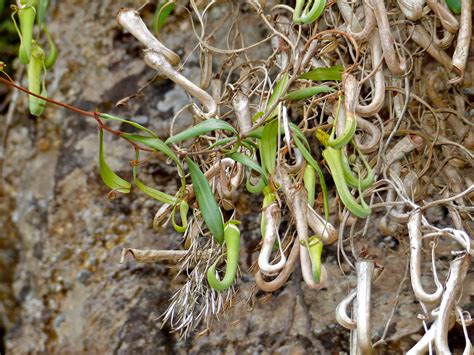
{"points": [[62, 288]]}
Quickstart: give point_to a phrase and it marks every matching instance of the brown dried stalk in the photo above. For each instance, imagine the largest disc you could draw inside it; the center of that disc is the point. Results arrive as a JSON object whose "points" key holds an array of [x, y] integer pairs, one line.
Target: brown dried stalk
{"points": [[365, 271], [424, 40], [297, 202], [425, 343], [414, 232], [240, 103], [152, 256], [448, 21], [403, 147], [378, 94], [342, 315], [272, 219], [283, 276], [131, 20], [457, 272], [206, 65], [371, 144], [412, 9], [397, 214], [353, 26], [464, 40], [395, 63], [320, 227], [159, 63]]}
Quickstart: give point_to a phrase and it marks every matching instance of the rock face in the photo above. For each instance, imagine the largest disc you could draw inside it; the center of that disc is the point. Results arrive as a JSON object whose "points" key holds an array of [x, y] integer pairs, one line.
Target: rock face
{"points": [[62, 289]]}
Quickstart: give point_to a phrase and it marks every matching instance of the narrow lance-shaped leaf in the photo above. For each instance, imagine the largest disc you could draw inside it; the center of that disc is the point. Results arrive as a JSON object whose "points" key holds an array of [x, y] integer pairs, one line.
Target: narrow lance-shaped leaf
{"points": [[249, 144], [323, 74], [268, 146], [277, 93], [309, 180], [41, 10], [201, 128], [258, 132], [250, 163], [310, 160], [106, 116], [210, 211], [112, 180], [306, 93], [150, 191], [156, 194], [333, 160], [349, 129], [257, 116], [156, 144], [299, 134], [221, 142], [454, 6], [162, 13]]}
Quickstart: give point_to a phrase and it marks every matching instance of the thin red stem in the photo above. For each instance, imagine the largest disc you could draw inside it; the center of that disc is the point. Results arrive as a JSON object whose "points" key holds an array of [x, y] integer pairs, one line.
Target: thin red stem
{"points": [[93, 114]]}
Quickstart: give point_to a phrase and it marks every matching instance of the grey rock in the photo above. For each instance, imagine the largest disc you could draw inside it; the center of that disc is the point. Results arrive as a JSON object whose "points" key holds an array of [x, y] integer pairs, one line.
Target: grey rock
{"points": [[83, 276]]}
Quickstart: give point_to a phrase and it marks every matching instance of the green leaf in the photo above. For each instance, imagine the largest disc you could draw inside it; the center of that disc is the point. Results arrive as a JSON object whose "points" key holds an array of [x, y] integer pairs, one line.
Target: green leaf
{"points": [[268, 146], [220, 142], [41, 9], [211, 213], [309, 180], [156, 144], [256, 133], [250, 163], [303, 94], [454, 6], [333, 160], [152, 192], [106, 116], [346, 136], [200, 129], [277, 93], [314, 164], [156, 194], [249, 144], [161, 15], [323, 74], [257, 116], [299, 134], [351, 180], [112, 180]]}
